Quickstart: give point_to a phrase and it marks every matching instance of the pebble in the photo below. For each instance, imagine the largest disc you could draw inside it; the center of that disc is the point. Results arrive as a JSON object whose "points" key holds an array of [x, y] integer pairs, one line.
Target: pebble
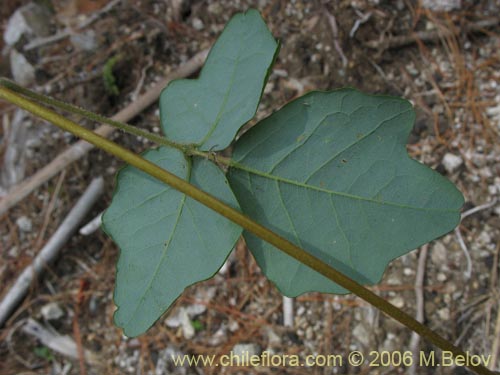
{"points": [[13, 252], [309, 333], [408, 271], [30, 20], [52, 311], [24, 224], [337, 306], [442, 5], [361, 334], [451, 162], [441, 277], [410, 68], [273, 338], [16, 27], [22, 71], [233, 325], [198, 24], [300, 310], [183, 320], [398, 301], [219, 336], [188, 330], [444, 313], [241, 350]]}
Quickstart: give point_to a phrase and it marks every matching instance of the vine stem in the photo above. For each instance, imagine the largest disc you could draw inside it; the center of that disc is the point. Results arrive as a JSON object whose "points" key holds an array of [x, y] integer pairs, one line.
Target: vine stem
{"points": [[158, 139], [242, 220]]}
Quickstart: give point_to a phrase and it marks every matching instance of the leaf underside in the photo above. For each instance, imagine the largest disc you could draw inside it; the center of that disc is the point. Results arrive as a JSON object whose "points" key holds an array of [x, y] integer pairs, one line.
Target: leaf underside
{"points": [[208, 111], [331, 173], [167, 240]]}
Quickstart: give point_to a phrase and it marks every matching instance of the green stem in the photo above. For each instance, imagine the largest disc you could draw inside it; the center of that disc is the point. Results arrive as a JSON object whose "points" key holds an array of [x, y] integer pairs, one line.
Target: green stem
{"points": [[244, 221], [158, 139], [188, 149]]}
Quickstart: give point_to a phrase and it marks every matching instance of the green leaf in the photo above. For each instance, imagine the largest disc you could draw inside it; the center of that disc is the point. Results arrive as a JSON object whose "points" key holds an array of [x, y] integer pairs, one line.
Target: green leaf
{"points": [[167, 240], [43, 352], [208, 111], [330, 172]]}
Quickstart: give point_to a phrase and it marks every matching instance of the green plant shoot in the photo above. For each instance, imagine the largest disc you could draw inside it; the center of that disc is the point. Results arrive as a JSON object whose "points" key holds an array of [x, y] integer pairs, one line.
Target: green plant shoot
{"points": [[329, 172]]}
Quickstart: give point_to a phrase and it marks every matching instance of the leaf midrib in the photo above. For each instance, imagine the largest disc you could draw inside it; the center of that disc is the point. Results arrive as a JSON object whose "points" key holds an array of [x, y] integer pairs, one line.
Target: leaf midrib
{"points": [[224, 102], [165, 248], [247, 169]]}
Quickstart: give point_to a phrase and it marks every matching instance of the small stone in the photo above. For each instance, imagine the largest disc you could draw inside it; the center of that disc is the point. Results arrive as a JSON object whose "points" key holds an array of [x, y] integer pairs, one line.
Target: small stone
{"points": [[484, 238], [24, 224], [451, 162], [233, 326], [31, 20], [198, 24], [442, 5], [309, 333], [52, 311], [444, 314], [93, 304], [410, 68], [269, 88], [219, 336], [273, 338], [193, 310], [441, 277], [397, 301], [16, 27], [241, 350], [22, 71], [13, 252], [300, 310], [408, 271], [393, 279], [361, 334], [188, 330]]}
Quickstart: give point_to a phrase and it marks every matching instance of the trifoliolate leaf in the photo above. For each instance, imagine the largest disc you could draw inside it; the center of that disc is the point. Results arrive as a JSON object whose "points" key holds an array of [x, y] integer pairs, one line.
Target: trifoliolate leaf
{"points": [[330, 172], [167, 240], [208, 111]]}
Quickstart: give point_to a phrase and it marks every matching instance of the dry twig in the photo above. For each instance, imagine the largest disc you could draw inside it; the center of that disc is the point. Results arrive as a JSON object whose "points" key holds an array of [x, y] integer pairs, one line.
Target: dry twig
{"points": [[38, 42], [48, 211], [335, 31], [92, 225], [496, 341], [288, 311], [463, 246], [460, 239], [420, 303], [51, 249], [482, 207], [429, 36], [64, 345]]}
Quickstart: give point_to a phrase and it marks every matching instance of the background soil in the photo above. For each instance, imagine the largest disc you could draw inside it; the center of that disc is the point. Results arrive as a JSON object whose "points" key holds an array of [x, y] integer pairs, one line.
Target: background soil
{"points": [[454, 82]]}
